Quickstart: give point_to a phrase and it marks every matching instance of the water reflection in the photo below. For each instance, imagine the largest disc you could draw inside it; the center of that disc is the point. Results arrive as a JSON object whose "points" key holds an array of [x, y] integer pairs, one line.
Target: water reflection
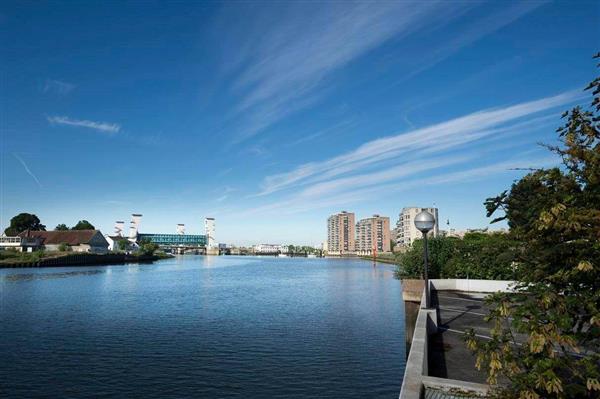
{"points": [[49, 276], [198, 327]]}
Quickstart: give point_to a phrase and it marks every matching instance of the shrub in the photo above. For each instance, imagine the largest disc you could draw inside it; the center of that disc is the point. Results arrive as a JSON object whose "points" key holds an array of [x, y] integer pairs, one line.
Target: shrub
{"points": [[477, 255], [64, 247]]}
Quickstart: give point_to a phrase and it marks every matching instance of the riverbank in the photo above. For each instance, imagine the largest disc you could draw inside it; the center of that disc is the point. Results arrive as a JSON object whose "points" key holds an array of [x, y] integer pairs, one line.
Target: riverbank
{"points": [[381, 259], [77, 259]]}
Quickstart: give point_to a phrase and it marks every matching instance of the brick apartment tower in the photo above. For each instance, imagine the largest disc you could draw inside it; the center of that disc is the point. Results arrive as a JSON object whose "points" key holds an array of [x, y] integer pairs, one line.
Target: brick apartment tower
{"points": [[373, 234], [340, 234]]}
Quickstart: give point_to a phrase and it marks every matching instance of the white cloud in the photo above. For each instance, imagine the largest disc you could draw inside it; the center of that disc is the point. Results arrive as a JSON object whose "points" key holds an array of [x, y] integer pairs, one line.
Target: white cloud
{"points": [[301, 44], [417, 143], [105, 127], [29, 172], [285, 58], [58, 87], [224, 193], [341, 195], [475, 31], [379, 177]]}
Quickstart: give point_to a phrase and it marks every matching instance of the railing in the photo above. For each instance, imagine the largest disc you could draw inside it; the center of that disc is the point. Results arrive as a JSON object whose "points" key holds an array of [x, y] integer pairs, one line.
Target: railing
{"points": [[10, 240]]}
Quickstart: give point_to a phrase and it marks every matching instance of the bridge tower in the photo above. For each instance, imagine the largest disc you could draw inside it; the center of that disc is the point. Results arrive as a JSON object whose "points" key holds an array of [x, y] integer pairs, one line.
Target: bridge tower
{"points": [[211, 244], [134, 225], [119, 226]]}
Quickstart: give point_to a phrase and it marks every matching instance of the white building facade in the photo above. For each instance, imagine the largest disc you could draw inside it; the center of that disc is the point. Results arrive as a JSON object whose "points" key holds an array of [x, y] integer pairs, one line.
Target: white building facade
{"points": [[269, 249], [209, 230], [406, 232]]}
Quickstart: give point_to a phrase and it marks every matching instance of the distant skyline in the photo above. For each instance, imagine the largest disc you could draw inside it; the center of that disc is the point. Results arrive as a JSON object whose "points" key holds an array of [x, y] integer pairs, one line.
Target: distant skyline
{"points": [[271, 116]]}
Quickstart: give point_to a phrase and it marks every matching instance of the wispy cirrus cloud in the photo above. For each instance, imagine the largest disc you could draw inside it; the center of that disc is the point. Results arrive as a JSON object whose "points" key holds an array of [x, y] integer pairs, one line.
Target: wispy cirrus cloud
{"points": [[104, 127], [224, 193], [475, 31], [421, 142], [334, 195], [299, 45], [287, 58], [58, 87], [344, 124], [26, 167]]}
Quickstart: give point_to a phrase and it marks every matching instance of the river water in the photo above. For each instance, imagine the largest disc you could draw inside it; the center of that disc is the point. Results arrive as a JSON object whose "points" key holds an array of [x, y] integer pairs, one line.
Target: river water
{"points": [[203, 327]]}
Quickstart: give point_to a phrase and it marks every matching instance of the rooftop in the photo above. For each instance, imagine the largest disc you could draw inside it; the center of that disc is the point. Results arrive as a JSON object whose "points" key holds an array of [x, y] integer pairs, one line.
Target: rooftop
{"points": [[70, 237]]}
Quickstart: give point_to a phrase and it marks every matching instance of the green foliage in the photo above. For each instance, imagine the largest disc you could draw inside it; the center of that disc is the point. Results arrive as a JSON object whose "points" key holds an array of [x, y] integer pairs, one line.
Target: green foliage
{"points": [[61, 227], [37, 255], [482, 256], [64, 247], [301, 249], [12, 256], [22, 222], [441, 250], [123, 244], [9, 253], [477, 256], [147, 247], [555, 216], [83, 225], [305, 249]]}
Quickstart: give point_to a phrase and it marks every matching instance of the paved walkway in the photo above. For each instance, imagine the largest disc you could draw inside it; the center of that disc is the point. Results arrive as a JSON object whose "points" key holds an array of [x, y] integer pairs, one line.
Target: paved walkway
{"points": [[448, 355]]}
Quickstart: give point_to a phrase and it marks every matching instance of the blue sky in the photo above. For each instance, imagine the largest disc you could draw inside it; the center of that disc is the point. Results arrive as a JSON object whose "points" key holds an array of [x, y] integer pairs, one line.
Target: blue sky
{"points": [[269, 116]]}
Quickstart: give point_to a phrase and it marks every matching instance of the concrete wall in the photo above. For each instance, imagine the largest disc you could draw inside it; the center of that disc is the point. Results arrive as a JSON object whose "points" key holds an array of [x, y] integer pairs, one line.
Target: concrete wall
{"points": [[412, 290], [417, 365], [416, 373], [471, 285]]}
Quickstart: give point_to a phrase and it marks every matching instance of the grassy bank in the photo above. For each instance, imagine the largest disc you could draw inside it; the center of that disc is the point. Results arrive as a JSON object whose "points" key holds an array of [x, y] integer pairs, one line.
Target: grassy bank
{"points": [[11, 259], [390, 259]]}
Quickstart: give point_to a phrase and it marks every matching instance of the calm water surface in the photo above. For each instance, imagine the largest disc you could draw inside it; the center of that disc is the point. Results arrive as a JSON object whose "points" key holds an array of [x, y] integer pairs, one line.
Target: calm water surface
{"points": [[203, 327]]}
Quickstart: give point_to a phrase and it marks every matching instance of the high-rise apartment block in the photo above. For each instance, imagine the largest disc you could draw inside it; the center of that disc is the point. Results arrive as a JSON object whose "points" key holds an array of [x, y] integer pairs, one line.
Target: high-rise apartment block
{"points": [[406, 230], [373, 235], [340, 234]]}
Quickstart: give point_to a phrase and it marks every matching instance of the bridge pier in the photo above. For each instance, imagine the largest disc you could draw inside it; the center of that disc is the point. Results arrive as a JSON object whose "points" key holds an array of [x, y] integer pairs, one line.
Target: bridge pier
{"points": [[212, 251]]}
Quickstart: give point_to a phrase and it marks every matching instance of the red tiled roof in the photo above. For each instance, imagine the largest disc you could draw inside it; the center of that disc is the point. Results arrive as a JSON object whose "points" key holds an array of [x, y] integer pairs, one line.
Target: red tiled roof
{"points": [[71, 237]]}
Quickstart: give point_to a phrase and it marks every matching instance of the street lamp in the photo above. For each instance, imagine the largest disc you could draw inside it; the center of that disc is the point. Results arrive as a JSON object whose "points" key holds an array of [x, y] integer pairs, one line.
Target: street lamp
{"points": [[424, 221]]}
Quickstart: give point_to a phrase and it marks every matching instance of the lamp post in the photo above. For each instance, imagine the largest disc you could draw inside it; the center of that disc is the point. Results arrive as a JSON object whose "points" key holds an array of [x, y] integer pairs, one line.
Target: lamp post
{"points": [[424, 222]]}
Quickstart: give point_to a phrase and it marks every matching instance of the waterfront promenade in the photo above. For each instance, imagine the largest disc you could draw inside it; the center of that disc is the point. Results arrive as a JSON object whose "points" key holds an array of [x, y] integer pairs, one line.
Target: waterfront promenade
{"points": [[439, 364]]}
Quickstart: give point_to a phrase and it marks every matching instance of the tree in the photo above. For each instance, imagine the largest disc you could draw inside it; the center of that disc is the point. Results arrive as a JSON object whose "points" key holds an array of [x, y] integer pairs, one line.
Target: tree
{"points": [[22, 222], [147, 247], [123, 244], [61, 227], [441, 250], [555, 216], [83, 225], [487, 256]]}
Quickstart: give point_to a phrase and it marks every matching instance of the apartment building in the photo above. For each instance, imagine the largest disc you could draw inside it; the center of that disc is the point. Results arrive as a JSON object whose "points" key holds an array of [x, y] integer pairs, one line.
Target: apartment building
{"points": [[340, 234], [373, 235], [405, 227]]}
